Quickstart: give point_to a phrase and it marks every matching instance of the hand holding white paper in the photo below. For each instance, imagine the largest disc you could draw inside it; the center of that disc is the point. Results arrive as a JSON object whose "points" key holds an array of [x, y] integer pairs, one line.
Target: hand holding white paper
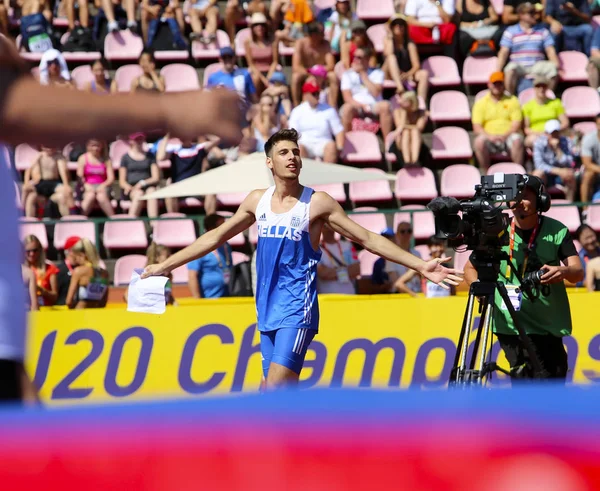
{"points": [[147, 295]]}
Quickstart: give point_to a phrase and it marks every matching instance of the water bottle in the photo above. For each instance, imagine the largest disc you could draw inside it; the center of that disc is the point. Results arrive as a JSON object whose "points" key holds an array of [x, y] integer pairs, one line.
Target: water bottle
{"points": [[435, 34]]}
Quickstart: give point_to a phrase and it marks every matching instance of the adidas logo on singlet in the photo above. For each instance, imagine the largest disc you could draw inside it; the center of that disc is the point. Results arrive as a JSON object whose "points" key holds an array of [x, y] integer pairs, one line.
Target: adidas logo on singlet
{"points": [[262, 218]]}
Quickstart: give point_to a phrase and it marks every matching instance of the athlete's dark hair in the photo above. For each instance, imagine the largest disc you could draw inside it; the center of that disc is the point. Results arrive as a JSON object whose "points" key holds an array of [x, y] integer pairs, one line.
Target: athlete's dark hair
{"points": [[212, 221], [290, 135]]}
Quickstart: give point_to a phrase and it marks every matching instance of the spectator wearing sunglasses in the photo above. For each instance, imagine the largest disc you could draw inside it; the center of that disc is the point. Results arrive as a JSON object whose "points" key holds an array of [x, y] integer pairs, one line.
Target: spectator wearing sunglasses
{"points": [[44, 271]]}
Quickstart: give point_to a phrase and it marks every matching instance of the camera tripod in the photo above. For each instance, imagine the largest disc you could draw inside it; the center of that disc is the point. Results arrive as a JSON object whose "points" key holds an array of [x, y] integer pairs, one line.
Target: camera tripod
{"points": [[474, 370]]}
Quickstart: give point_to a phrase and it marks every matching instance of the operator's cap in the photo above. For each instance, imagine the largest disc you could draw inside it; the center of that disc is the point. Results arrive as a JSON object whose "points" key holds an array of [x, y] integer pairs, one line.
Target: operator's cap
{"points": [[534, 183], [388, 232]]}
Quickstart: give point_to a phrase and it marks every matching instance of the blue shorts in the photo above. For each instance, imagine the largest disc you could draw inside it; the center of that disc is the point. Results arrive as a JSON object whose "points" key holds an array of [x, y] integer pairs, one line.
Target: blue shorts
{"points": [[286, 347]]}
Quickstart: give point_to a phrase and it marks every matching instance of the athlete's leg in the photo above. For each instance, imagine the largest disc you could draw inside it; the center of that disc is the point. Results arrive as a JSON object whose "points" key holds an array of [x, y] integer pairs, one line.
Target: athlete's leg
{"points": [[288, 357], [267, 343]]}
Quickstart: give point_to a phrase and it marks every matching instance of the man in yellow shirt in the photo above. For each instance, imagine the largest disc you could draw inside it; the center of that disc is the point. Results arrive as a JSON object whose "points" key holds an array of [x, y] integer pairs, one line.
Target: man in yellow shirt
{"points": [[497, 121]]}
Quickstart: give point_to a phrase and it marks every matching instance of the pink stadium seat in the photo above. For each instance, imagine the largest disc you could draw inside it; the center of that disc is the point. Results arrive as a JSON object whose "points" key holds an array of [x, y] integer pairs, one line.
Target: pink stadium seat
{"points": [[67, 228], [116, 152], [24, 156], [459, 181], [498, 6], [568, 214], [377, 34], [375, 222], [127, 233], [208, 71], [172, 55], [361, 146], [449, 105], [593, 216], [506, 168], [324, 4], [180, 77], [477, 70], [33, 226], [123, 46], [574, 66], [180, 275], [443, 71], [577, 245], [585, 127], [336, 191], [285, 51], [239, 240], [239, 257], [378, 10], [581, 102], [366, 260], [460, 259], [526, 95], [451, 142], [423, 222], [210, 51], [125, 75], [231, 199], [78, 56], [361, 192], [415, 183], [480, 94], [173, 233], [423, 249], [240, 39], [81, 75], [125, 265]]}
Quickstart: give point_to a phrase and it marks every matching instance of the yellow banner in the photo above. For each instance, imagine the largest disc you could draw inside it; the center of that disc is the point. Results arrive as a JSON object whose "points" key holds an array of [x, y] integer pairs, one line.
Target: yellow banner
{"points": [[212, 347]]}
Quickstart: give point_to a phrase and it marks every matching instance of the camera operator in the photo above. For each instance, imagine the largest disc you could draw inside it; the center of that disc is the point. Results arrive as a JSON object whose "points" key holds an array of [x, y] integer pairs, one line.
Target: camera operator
{"points": [[536, 243]]}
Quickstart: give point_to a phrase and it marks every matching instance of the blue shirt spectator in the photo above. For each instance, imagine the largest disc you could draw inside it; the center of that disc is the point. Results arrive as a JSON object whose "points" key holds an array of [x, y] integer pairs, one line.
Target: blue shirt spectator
{"points": [[590, 248], [574, 17], [212, 273], [526, 47], [233, 78]]}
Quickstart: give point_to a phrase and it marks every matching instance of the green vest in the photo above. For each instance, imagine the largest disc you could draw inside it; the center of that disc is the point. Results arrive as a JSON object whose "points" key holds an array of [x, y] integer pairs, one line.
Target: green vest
{"points": [[550, 312]]}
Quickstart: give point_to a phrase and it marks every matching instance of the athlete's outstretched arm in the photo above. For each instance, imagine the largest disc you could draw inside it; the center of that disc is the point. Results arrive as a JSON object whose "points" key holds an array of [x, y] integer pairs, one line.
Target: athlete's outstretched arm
{"points": [[333, 214], [208, 242]]}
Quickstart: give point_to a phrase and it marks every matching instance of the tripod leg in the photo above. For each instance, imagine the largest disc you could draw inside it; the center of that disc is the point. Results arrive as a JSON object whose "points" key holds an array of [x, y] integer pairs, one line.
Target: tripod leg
{"points": [[460, 360], [484, 309], [486, 327]]}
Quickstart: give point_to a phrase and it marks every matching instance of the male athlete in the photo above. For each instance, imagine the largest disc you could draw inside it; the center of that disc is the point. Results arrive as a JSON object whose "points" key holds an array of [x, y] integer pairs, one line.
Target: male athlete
{"points": [[290, 218]]}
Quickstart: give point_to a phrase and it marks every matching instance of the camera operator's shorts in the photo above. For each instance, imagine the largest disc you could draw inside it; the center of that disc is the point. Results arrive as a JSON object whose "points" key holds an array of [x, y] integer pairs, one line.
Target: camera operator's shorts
{"points": [[286, 347], [505, 146]]}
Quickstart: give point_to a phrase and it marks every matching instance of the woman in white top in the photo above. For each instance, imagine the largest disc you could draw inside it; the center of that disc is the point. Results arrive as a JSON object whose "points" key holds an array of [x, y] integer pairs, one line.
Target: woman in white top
{"points": [[339, 265]]}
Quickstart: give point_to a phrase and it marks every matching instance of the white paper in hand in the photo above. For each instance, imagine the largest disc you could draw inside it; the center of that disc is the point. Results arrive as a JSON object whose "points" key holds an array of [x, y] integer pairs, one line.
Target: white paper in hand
{"points": [[146, 295]]}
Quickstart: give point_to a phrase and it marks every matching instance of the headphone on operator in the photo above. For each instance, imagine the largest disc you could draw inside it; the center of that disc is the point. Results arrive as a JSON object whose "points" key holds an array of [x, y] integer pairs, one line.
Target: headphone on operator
{"points": [[542, 198]]}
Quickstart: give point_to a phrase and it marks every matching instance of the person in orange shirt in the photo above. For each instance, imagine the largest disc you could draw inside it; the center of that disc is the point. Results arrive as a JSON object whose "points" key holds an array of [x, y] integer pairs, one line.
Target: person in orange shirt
{"points": [[44, 271]]}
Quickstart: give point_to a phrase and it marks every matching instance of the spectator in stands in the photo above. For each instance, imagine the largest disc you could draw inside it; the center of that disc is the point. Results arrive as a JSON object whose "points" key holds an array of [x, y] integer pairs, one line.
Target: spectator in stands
{"points": [[402, 62], [84, 16], [338, 24], [479, 33], [129, 6], [312, 50], [297, 16], [358, 39], [139, 175], [338, 267], [320, 128], [525, 47], [497, 123], [510, 15], [262, 52], [35, 24], [539, 110], [280, 92], [553, 159], [318, 75], [65, 269], [54, 70], [264, 122], [157, 254], [362, 90], [387, 273], [236, 9], [590, 248], [410, 122], [44, 271], [593, 68], [430, 22], [431, 290], [47, 179], [570, 24], [590, 159], [208, 11], [149, 80], [208, 276], [89, 280], [31, 302], [187, 160], [592, 275], [95, 169], [102, 83]]}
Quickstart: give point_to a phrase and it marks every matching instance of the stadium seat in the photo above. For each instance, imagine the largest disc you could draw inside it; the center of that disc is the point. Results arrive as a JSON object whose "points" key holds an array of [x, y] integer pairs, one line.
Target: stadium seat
{"points": [[173, 233], [443, 71], [574, 66], [33, 226], [581, 102], [506, 168], [459, 180], [78, 56], [116, 152], [423, 222], [285, 51], [210, 51], [460, 260], [66, 228], [125, 75], [529, 93], [375, 222], [415, 183], [324, 4], [123, 46], [180, 77], [449, 105], [477, 70], [367, 191], [172, 55], [82, 75], [24, 156], [423, 250], [366, 260], [180, 275], [377, 34], [362, 147], [240, 39], [593, 216], [231, 199], [568, 215], [336, 191], [451, 142], [379, 10], [126, 233], [239, 240], [208, 71], [239, 257], [585, 127], [498, 6], [480, 94], [389, 156], [125, 265]]}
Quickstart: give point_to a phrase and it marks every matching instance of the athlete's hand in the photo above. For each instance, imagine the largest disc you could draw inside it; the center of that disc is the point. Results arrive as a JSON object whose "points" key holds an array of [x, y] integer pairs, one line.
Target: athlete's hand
{"points": [[445, 277], [155, 270]]}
